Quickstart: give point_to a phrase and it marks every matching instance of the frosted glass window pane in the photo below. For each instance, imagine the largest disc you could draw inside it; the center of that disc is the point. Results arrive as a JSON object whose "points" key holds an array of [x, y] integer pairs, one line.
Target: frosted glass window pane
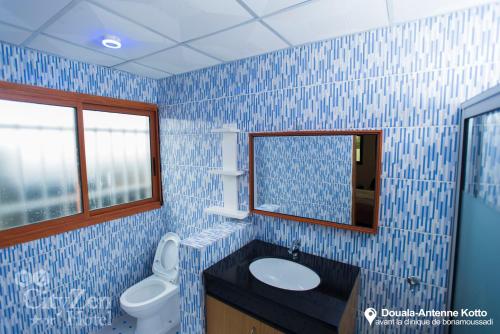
{"points": [[39, 169], [117, 149]]}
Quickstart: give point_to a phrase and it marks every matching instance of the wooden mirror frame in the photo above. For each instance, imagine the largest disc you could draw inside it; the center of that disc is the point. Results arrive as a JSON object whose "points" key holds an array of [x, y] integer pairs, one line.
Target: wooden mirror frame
{"points": [[377, 133]]}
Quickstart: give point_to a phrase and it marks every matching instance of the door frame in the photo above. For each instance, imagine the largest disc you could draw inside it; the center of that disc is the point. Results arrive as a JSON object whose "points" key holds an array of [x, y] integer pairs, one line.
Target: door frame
{"points": [[481, 104]]}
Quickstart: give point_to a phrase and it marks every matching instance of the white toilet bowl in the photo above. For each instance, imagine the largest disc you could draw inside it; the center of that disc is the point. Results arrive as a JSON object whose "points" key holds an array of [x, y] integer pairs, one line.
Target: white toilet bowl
{"points": [[155, 300]]}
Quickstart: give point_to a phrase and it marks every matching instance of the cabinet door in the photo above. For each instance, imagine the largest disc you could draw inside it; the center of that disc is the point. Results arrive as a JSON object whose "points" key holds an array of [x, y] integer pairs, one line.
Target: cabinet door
{"points": [[223, 319]]}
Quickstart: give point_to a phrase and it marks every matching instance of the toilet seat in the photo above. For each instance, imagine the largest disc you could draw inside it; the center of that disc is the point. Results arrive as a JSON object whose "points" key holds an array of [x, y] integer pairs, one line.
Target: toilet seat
{"points": [[148, 292], [166, 262]]}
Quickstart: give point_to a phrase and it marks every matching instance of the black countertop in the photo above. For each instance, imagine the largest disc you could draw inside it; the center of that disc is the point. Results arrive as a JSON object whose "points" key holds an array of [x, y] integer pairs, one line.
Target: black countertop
{"points": [[314, 311]]}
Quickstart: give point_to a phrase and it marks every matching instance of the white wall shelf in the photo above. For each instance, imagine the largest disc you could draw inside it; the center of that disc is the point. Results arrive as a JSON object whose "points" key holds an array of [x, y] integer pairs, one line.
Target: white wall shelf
{"points": [[226, 172], [221, 211], [230, 173], [226, 130]]}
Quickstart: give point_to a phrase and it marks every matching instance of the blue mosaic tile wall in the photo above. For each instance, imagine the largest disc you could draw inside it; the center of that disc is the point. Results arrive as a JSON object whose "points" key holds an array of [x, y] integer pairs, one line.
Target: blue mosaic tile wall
{"points": [[305, 176], [102, 260], [26, 66], [407, 80], [198, 252]]}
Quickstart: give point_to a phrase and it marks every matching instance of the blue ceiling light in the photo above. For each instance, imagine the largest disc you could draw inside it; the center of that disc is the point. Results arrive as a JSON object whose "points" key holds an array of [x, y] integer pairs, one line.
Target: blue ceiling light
{"points": [[112, 42]]}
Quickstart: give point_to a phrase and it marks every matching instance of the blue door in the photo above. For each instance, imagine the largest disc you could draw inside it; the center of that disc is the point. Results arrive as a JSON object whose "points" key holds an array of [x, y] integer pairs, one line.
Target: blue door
{"points": [[477, 253]]}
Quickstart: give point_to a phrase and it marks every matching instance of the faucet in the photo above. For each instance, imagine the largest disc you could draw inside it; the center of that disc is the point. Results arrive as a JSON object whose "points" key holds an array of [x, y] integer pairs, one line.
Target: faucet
{"points": [[294, 249]]}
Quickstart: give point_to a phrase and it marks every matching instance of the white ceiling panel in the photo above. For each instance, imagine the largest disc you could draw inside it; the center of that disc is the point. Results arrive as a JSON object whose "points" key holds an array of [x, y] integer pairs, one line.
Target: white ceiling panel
{"points": [[243, 41], [181, 20], [408, 10], [179, 59], [58, 47], [13, 35], [86, 25], [324, 19], [30, 14], [264, 7], [144, 71]]}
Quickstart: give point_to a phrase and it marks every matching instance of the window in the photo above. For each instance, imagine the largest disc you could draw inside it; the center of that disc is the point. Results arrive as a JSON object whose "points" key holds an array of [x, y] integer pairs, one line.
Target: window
{"points": [[118, 158], [39, 178], [70, 160]]}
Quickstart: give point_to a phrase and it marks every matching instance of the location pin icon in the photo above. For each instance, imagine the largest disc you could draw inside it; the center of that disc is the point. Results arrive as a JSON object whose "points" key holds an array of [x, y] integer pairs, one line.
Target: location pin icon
{"points": [[370, 314]]}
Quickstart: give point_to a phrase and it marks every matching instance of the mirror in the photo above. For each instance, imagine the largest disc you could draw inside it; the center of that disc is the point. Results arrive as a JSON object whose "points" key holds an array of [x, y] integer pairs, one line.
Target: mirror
{"points": [[322, 177]]}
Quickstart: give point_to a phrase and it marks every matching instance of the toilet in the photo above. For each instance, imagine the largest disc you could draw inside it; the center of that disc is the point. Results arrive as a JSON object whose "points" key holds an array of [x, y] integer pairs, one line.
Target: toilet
{"points": [[154, 301]]}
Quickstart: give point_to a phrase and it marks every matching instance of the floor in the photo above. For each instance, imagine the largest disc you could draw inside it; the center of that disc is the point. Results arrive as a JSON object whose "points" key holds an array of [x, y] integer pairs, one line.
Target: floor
{"points": [[125, 324]]}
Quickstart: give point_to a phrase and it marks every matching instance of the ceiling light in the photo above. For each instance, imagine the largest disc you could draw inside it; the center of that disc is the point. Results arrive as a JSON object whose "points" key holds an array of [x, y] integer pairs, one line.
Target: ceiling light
{"points": [[112, 42]]}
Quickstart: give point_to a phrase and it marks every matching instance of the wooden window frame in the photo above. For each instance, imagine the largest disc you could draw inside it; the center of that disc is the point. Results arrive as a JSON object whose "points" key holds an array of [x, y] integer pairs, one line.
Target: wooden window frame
{"points": [[33, 94]]}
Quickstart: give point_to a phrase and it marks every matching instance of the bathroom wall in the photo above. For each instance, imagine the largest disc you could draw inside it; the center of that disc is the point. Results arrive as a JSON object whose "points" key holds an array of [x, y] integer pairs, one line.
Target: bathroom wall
{"points": [[407, 80], [198, 252], [323, 165], [102, 260]]}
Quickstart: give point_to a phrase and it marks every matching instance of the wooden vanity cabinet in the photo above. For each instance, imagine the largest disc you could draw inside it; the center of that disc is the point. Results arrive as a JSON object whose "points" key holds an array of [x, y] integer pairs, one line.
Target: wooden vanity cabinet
{"points": [[224, 319]]}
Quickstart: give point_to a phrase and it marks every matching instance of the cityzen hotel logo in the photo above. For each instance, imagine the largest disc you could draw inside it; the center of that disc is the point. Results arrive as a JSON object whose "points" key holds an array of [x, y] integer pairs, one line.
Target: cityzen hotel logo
{"points": [[77, 308], [464, 317]]}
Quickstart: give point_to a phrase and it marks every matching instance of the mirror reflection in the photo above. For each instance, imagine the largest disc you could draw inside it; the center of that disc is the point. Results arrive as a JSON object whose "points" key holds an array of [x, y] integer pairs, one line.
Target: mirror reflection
{"points": [[326, 179]]}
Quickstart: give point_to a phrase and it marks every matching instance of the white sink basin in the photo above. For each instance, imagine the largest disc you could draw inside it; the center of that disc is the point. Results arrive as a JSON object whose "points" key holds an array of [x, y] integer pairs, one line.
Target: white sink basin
{"points": [[284, 274]]}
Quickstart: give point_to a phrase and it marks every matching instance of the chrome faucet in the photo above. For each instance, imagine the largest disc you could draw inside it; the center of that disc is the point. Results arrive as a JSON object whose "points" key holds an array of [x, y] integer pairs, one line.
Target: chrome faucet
{"points": [[294, 249]]}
